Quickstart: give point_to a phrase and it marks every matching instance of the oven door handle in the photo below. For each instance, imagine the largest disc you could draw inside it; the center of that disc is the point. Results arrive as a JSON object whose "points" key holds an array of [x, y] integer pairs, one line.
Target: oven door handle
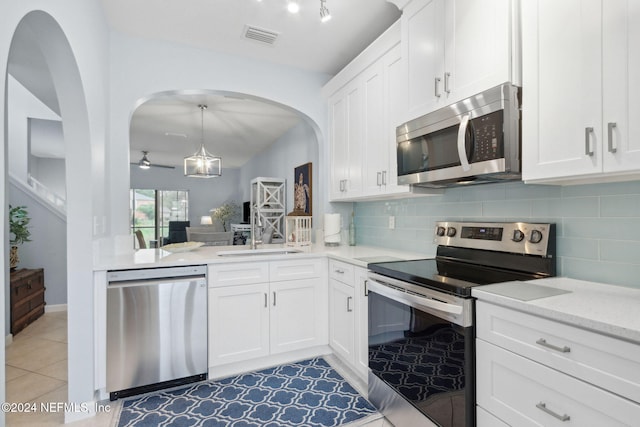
{"points": [[462, 146], [412, 300]]}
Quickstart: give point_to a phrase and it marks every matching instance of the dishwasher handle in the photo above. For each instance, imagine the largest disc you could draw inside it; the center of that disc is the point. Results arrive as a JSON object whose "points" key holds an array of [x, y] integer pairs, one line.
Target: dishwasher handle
{"points": [[201, 280], [156, 273]]}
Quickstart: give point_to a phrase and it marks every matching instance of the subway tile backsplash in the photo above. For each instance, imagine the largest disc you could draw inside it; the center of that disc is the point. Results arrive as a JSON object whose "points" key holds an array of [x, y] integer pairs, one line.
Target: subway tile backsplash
{"points": [[598, 225]]}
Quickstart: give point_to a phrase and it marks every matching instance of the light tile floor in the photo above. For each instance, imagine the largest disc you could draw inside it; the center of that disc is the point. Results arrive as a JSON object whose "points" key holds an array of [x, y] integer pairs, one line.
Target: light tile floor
{"points": [[36, 372]]}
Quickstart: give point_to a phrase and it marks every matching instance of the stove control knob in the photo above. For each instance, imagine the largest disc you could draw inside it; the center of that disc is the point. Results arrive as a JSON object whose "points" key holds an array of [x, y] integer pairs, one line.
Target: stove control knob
{"points": [[440, 231], [536, 236], [451, 231], [518, 236]]}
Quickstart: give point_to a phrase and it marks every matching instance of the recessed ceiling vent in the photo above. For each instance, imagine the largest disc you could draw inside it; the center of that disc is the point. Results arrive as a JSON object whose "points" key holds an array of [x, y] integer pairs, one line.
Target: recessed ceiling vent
{"points": [[260, 34]]}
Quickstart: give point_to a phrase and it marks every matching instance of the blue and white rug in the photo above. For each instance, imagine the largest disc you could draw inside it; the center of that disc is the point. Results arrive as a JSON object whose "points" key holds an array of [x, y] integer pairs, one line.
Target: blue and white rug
{"points": [[308, 393]]}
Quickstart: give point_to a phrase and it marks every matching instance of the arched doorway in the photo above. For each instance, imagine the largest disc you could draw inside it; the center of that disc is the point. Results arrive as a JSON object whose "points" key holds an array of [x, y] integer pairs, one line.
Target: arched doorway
{"points": [[58, 58]]}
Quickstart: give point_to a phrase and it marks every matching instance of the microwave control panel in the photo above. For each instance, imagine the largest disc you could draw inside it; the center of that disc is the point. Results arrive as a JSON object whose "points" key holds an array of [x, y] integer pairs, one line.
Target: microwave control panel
{"points": [[488, 137]]}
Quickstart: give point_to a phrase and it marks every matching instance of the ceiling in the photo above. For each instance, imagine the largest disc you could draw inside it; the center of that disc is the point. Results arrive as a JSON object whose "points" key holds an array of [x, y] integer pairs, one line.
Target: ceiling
{"points": [[169, 127], [218, 25]]}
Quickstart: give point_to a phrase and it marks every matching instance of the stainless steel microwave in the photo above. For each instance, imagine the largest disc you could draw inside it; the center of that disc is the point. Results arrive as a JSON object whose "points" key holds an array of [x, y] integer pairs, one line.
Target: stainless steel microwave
{"points": [[473, 141]]}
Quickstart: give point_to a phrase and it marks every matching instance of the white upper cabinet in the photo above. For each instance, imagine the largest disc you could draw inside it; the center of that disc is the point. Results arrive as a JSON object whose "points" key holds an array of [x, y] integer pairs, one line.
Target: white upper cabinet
{"points": [[621, 95], [580, 58], [345, 124], [385, 99], [367, 101], [455, 49]]}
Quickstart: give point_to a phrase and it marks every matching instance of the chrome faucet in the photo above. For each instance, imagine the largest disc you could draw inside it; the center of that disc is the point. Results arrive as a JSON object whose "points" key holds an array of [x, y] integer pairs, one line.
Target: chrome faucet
{"points": [[256, 224]]}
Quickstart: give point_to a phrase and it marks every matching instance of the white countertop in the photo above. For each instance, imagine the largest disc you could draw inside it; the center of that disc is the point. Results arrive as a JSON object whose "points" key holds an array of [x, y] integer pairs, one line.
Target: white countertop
{"points": [[150, 258], [608, 309]]}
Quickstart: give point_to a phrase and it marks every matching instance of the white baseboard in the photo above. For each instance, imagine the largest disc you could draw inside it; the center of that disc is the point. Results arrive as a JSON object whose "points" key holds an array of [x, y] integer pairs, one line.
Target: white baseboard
{"points": [[55, 307], [8, 339]]}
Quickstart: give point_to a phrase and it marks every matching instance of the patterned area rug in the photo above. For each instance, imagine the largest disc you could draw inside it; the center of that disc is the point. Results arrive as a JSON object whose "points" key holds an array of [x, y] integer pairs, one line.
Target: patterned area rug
{"points": [[309, 393]]}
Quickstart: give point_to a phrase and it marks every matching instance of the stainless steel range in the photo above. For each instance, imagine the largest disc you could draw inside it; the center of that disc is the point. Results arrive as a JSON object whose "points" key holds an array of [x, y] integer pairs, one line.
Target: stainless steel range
{"points": [[421, 317]]}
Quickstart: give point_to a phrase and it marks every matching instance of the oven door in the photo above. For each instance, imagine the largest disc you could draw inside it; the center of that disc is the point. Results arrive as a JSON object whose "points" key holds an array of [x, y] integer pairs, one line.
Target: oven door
{"points": [[420, 359]]}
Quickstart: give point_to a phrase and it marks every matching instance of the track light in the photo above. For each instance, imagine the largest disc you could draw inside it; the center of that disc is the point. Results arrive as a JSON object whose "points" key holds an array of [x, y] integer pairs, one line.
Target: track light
{"points": [[293, 6], [325, 15]]}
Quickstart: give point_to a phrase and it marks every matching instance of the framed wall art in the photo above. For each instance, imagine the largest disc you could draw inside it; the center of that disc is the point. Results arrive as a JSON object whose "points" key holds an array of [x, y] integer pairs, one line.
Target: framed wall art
{"points": [[302, 190]]}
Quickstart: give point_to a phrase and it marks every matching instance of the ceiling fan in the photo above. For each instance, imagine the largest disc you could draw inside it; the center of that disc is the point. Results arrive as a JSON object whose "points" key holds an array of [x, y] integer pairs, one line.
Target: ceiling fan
{"points": [[144, 163]]}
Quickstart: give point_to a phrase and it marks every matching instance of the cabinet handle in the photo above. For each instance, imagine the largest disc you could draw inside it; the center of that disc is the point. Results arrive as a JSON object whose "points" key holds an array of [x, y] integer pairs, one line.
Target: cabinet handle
{"points": [[587, 141], [384, 177], [339, 271], [274, 298], [543, 407], [379, 179], [349, 309], [436, 87], [447, 76], [366, 289], [610, 127], [544, 343], [266, 297]]}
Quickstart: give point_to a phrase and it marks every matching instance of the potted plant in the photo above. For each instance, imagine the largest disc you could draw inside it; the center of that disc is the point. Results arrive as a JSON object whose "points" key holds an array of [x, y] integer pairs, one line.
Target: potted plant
{"points": [[225, 212], [18, 232]]}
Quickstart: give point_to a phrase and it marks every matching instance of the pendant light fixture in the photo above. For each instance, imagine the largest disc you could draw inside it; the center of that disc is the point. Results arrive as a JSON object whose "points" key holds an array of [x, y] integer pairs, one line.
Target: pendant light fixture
{"points": [[202, 164]]}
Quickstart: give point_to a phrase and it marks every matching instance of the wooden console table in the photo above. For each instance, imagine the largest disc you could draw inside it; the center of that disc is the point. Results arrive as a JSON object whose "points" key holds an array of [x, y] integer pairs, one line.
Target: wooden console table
{"points": [[27, 297]]}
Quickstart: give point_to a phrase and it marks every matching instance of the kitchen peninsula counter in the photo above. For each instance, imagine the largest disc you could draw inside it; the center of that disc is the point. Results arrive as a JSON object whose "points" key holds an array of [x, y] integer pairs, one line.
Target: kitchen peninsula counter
{"points": [[153, 258]]}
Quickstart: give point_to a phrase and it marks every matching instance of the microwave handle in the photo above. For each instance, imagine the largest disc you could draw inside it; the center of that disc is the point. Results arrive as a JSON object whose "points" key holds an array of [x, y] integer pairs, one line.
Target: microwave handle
{"points": [[462, 152]]}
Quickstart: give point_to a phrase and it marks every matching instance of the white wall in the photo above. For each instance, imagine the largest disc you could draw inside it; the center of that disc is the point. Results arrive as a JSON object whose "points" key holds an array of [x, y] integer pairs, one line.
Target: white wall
{"points": [[295, 148], [22, 105], [73, 37], [51, 173], [204, 194], [141, 68]]}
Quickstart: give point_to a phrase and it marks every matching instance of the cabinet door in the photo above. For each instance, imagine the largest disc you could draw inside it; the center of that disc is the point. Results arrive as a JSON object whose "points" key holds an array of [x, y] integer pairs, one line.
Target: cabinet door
{"points": [[374, 155], [238, 323], [562, 81], [423, 34], [362, 325], [345, 111], [295, 316], [621, 95], [339, 149], [341, 320], [477, 48], [524, 393]]}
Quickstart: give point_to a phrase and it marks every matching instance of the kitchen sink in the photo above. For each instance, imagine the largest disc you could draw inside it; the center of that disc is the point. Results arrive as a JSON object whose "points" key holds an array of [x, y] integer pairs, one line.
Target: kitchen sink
{"points": [[254, 252]]}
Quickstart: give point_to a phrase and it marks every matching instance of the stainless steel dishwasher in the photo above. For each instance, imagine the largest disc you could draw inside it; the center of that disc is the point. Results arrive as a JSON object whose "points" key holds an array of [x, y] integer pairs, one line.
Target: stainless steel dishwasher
{"points": [[156, 329]]}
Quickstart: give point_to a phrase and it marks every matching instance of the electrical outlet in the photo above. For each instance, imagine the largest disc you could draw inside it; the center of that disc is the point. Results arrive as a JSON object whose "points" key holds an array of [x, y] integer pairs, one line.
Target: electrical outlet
{"points": [[392, 222]]}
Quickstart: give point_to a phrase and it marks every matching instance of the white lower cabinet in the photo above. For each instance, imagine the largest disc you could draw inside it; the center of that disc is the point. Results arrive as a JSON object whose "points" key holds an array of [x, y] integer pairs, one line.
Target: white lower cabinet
{"points": [[294, 315], [348, 324], [533, 371], [524, 393], [362, 323], [260, 317], [342, 320], [238, 323]]}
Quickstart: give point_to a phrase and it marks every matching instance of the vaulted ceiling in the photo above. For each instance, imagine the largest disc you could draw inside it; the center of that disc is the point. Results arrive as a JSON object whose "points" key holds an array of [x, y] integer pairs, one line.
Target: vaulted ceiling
{"points": [[163, 126]]}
